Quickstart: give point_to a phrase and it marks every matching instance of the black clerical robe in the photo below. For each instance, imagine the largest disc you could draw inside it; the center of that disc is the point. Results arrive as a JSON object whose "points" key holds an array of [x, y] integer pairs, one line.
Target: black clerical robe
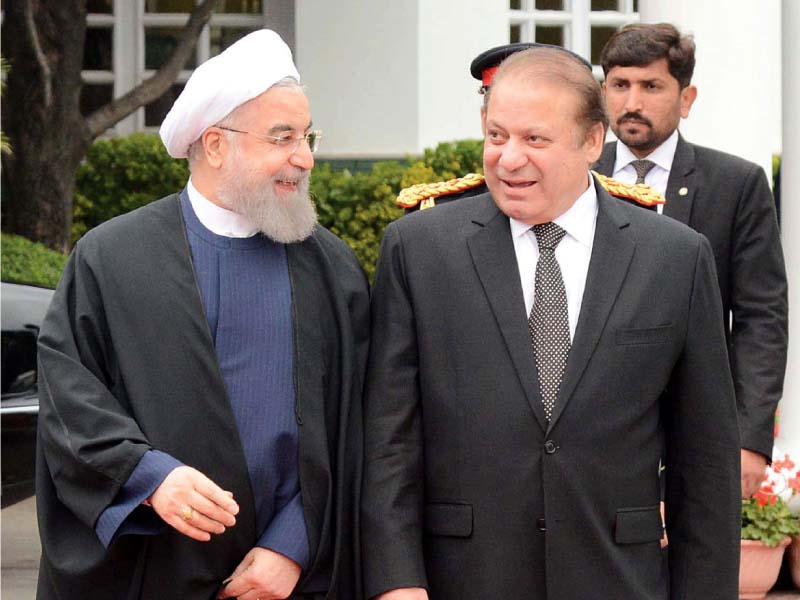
{"points": [[127, 364]]}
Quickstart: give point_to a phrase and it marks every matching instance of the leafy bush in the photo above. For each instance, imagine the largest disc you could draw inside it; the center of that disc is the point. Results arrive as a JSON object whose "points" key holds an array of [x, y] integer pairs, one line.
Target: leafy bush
{"points": [[121, 174], [455, 159], [358, 207], [27, 262]]}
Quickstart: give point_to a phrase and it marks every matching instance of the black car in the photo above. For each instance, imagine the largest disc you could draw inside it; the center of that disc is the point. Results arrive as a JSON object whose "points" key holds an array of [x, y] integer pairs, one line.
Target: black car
{"points": [[23, 308]]}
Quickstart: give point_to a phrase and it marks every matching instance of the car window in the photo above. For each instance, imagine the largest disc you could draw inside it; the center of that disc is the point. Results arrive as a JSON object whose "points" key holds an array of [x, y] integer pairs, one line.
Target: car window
{"points": [[19, 362], [23, 308]]}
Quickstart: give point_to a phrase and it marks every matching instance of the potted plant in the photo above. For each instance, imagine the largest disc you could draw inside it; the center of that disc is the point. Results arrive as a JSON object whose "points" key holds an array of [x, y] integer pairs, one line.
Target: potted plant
{"points": [[786, 468], [767, 527]]}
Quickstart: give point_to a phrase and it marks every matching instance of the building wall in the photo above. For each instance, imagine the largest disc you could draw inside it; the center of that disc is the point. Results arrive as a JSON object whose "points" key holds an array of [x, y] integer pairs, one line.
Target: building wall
{"points": [[448, 41], [738, 73], [387, 79], [359, 61]]}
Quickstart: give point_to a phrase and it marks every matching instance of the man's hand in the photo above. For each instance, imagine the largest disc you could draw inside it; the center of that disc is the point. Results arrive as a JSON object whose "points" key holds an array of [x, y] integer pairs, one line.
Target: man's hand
{"points": [[262, 575], [193, 504], [754, 466], [404, 594]]}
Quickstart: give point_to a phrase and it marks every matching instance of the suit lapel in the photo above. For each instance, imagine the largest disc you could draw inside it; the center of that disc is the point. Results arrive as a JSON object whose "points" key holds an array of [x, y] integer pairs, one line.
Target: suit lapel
{"points": [[492, 252], [605, 166], [612, 252], [682, 183]]}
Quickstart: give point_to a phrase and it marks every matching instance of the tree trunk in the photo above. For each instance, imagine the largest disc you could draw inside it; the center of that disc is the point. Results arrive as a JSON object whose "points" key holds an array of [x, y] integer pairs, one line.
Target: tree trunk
{"points": [[43, 42]]}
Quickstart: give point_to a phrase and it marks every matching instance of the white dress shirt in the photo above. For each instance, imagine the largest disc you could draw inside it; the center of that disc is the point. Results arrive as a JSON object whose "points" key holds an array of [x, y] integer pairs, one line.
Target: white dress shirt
{"points": [[572, 253], [217, 219], [658, 175]]}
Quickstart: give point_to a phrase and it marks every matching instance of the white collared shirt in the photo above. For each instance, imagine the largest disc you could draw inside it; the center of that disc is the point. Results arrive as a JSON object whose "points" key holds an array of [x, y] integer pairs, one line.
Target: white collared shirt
{"points": [[658, 175], [217, 219], [572, 253]]}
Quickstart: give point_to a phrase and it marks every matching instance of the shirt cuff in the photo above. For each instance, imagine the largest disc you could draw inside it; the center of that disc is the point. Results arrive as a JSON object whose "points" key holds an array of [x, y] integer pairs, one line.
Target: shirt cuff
{"points": [[287, 534], [126, 515]]}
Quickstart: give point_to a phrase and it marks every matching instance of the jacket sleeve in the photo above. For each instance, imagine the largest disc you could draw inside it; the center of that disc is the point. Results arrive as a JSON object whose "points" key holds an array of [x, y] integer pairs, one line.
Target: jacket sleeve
{"points": [[90, 442], [126, 515], [759, 307], [393, 478], [702, 451]]}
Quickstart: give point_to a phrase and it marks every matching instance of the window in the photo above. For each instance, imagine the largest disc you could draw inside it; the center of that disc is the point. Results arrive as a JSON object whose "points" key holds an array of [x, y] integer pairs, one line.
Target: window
{"points": [[162, 22], [583, 26], [98, 57], [128, 40]]}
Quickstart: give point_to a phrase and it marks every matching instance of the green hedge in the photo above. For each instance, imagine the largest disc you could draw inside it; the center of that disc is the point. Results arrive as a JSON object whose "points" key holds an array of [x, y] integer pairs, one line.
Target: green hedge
{"points": [[121, 174], [27, 262]]}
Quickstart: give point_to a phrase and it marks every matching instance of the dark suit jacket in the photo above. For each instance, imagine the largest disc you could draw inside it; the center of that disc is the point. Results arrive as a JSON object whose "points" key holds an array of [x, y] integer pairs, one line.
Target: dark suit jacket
{"points": [[470, 492], [727, 199]]}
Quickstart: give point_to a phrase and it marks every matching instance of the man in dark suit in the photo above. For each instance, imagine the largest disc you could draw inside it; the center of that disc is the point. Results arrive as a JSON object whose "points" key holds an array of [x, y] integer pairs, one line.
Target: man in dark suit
{"points": [[422, 196], [512, 442], [648, 90]]}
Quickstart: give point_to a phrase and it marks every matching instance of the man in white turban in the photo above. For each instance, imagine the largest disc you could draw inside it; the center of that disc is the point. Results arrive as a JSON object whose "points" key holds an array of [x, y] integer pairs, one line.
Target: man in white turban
{"points": [[201, 368]]}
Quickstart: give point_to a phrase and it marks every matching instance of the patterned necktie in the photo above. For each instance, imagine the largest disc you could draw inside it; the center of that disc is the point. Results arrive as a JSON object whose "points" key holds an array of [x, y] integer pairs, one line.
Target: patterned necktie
{"points": [[642, 168], [549, 320]]}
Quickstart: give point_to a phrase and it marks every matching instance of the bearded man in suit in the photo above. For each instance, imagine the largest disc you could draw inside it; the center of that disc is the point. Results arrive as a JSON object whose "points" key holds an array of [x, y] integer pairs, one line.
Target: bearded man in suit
{"points": [[512, 442], [648, 90]]}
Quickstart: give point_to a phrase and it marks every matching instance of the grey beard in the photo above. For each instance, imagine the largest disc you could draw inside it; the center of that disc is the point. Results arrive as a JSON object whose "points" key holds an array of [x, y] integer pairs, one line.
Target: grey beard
{"points": [[284, 219]]}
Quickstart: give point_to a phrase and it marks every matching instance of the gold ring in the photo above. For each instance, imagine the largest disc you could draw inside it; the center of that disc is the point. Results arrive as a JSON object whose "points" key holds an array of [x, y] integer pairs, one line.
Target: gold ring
{"points": [[187, 512]]}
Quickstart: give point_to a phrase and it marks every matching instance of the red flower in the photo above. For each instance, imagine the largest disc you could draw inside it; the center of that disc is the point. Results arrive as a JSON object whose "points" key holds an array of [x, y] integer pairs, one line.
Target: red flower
{"points": [[766, 494]]}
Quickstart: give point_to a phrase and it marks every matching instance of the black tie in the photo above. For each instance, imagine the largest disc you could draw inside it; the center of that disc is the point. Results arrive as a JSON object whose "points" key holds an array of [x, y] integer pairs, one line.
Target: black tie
{"points": [[549, 320], [642, 168]]}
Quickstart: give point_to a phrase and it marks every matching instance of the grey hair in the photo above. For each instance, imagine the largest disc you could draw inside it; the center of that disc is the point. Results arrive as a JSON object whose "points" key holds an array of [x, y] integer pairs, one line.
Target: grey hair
{"points": [[196, 148]]}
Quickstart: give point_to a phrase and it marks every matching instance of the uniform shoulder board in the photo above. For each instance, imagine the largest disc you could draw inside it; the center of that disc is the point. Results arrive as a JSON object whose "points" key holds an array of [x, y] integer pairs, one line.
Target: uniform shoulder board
{"points": [[425, 194], [638, 192]]}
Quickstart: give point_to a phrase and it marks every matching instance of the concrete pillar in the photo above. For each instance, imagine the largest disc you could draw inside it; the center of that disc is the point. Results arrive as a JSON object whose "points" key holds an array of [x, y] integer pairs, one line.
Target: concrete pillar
{"points": [[789, 439], [737, 73], [127, 40]]}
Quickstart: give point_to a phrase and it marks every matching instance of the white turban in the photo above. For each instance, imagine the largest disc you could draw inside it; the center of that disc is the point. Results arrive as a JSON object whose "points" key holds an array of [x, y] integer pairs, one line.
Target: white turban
{"points": [[243, 71]]}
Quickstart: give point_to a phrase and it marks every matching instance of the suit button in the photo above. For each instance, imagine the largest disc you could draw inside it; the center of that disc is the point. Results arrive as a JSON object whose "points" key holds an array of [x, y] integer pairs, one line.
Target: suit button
{"points": [[550, 447], [541, 525]]}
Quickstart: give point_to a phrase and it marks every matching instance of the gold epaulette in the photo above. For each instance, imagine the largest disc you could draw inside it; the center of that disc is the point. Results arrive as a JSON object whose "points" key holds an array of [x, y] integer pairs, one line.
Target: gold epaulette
{"points": [[425, 194], [638, 192]]}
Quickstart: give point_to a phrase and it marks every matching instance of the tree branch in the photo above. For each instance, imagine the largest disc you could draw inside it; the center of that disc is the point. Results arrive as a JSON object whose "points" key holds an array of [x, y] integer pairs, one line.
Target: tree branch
{"points": [[41, 58], [150, 89]]}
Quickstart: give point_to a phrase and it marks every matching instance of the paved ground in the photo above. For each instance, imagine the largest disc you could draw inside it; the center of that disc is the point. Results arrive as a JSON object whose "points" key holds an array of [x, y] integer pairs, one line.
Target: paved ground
{"points": [[20, 550]]}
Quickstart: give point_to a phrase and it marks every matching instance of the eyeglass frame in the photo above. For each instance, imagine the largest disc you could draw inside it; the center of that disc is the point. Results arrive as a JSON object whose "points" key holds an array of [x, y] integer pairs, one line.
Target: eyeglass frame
{"points": [[281, 142]]}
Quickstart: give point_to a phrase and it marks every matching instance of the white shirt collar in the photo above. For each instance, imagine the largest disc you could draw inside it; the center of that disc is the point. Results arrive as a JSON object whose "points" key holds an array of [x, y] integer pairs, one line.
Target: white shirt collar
{"points": [[662, 155], [216, 219], [578, 221]]}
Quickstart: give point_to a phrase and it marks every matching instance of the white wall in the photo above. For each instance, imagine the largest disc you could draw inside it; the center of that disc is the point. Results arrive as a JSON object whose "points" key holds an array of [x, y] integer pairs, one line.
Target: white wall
{"points": [[738, 73], [451, 35], [359, 61], [388, 79]]}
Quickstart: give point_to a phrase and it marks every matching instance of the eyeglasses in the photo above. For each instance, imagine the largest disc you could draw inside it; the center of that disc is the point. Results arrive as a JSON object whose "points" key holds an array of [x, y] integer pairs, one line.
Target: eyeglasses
{"points": [[285, 142]]}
